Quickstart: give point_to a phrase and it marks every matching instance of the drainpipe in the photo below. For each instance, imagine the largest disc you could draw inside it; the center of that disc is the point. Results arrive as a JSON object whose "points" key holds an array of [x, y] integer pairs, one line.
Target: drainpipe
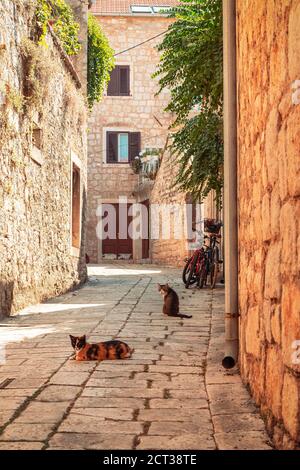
{"points": [[230, 185]]}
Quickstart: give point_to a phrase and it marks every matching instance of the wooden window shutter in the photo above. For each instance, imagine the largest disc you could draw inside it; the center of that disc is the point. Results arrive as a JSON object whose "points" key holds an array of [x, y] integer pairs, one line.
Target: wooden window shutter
{"points": [[113, 84], [119, 83], [112, 147], [134, 145], [75, 206], [124, 80]]}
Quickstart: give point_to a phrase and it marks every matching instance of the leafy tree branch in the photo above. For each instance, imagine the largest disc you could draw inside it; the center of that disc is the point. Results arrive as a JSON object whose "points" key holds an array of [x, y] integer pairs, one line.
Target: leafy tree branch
{"points": [[191, 68]]}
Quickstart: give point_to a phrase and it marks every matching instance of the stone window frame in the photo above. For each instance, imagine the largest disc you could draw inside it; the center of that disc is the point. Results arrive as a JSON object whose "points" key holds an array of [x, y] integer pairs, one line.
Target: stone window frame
{"points": [[121, 129], [75, 160], [116, 73]]}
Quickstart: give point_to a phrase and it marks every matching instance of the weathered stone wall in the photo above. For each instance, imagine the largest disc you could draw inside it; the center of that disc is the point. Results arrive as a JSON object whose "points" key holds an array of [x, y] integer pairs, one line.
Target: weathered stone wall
{"points": [[80, 9], [269, 210], [169, 252], [139, 112], [37, 260]]}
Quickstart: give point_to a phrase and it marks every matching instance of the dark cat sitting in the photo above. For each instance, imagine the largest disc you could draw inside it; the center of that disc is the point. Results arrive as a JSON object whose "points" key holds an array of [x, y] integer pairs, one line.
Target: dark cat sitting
{"points": [[171, 302]]}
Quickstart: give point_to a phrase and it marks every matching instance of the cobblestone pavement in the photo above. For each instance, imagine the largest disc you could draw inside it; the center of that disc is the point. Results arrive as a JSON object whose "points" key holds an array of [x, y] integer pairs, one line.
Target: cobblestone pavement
{"points": [[172, 394]]}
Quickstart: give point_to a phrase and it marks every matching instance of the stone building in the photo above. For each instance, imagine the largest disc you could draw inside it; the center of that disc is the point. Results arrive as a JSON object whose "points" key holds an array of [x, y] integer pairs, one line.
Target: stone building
{"points": [[131, 119], [268, 209], [43, 163]]}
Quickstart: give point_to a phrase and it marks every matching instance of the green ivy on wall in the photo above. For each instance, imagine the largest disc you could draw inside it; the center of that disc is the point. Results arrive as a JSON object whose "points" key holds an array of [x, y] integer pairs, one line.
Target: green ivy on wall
{"points": [[100, 55], [60, 15], [100, 61]]}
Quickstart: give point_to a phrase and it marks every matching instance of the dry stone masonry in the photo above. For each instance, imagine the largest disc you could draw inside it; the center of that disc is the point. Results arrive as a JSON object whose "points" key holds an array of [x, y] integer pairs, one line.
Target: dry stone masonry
{"points": [[269, 210], [43, 126]]}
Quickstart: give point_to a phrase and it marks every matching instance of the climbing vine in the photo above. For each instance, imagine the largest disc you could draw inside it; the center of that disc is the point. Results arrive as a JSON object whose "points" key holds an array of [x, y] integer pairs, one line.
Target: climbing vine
{"points": [[60, 15], [100, 61]]}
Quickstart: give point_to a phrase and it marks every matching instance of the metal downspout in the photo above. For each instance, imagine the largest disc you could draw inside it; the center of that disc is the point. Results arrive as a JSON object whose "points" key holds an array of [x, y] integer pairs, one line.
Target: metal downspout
{"points": [[230, 185]]}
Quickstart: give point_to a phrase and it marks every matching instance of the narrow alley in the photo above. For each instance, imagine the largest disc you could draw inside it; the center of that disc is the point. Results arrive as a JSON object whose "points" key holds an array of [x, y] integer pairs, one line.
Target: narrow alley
{"points": [[141, 144], [172, 394]]}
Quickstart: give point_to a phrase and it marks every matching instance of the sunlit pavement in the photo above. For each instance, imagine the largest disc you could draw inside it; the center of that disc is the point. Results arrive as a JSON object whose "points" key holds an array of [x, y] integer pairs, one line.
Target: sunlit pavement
{"points": [[172, 394]]}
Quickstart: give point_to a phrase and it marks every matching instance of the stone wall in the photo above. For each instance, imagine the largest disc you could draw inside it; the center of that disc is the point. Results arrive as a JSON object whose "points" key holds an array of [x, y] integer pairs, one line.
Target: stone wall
{"points": [[80, 9], [169, 252], [142, 111], [37, 259], [269, 210]]}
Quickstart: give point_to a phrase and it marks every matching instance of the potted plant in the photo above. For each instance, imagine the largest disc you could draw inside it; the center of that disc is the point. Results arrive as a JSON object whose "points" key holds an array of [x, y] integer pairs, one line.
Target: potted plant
{"points": [[150, 160], [136, 165]]}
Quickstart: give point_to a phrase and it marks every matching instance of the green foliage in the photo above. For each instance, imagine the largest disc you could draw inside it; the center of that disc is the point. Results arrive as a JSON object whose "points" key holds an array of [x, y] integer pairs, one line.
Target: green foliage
{"points": [[38, 68], [60, 14], [191, 68], [43, 15], [100, 61], [198, 147]]}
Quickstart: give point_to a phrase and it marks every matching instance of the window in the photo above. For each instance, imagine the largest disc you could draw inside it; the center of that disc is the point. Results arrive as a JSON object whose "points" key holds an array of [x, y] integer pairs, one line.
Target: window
{"points": [[36, 150], [122, 147], [75, 206], [162, 10], [37, 138], [140, 9], [119, 84]]}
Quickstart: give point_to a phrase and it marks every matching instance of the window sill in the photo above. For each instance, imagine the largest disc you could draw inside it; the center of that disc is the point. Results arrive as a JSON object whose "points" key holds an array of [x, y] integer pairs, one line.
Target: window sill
{"points": [[75, 252], [114, 165], [118, 97]]}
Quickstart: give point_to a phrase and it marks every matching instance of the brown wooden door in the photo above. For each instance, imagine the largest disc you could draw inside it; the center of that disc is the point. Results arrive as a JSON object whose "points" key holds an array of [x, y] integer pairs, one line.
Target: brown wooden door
{"points": [[122, 244], [145, 239]]}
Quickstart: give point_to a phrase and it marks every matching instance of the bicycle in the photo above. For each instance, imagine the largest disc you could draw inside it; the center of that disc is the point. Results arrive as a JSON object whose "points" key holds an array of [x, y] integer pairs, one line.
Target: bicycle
{"points": [[193, 267], [205, 260]]}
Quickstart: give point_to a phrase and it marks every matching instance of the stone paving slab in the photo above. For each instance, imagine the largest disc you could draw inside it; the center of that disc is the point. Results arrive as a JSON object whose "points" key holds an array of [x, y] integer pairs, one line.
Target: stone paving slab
{"points": [[40, 412], [26, 432], [245, 440], [123, 393], [96, 424], [109, 402], [21, 445], [172, 393], [58, 393], [185, 442], [79, 441], [178, 428]]}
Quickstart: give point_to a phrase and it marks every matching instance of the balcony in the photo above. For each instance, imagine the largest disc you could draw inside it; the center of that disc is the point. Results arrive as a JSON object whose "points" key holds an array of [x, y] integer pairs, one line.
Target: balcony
{"points": [[146, 166]]}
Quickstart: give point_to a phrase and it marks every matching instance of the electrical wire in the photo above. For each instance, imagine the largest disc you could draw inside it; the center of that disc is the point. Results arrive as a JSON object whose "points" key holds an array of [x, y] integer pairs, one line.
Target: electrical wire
{"points": [[141, 43], [55, 10], [123, 52]]}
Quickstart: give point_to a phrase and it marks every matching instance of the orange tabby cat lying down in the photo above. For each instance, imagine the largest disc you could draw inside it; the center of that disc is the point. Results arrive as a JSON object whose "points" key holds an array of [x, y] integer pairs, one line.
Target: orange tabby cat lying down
{"points": [[99, 351]]}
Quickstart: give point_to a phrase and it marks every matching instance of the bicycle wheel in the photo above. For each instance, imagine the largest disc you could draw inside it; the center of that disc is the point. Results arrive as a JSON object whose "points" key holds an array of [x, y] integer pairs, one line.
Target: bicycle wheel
{"points": [[191, 277], [214, 268], [203, 274], [186, 270]]}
